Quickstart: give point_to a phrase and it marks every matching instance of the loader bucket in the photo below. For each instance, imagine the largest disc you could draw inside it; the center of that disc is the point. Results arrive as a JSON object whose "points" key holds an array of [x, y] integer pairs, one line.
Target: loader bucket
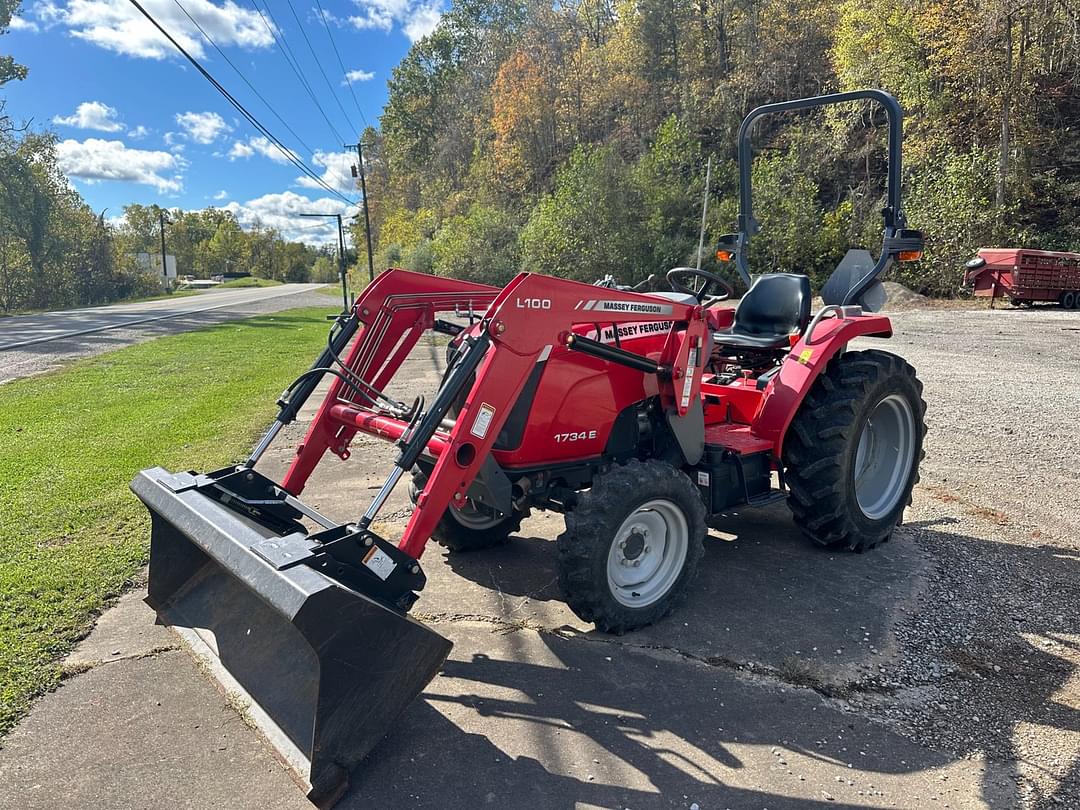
{"points": [[322, 670]]}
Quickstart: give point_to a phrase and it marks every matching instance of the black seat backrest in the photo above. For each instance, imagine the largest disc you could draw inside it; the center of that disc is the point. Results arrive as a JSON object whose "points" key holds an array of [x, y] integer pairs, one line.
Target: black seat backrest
{"points": [[775, 304]]}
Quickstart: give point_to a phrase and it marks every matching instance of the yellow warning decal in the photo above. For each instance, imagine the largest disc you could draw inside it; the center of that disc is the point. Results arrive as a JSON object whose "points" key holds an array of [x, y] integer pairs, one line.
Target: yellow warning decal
{"points": [[805, 356]]}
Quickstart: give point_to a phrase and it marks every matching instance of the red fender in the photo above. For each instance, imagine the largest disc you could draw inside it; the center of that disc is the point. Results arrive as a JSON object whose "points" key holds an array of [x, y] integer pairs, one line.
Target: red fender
{"points": [[808, 358]]}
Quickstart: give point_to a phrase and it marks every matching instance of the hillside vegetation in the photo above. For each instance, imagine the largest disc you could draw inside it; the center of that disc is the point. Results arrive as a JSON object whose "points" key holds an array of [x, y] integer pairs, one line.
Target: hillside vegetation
{"points": [[571, 138]]}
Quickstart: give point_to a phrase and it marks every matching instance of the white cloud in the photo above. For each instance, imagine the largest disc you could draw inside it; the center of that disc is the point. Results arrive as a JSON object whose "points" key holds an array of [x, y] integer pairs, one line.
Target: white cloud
{"points": [[91, 115], [241, 150], [202, 127], [118, 26], [337, 172], [358, 76], [416, 18], [19, 24], [422, 21], [96, 159], [282, 212], [258, 146], [138, 132], [221, 195]]}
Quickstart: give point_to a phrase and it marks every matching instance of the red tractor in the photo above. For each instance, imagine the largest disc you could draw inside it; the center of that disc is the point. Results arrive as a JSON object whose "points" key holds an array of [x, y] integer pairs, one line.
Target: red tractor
{"points": [[639, 416]]}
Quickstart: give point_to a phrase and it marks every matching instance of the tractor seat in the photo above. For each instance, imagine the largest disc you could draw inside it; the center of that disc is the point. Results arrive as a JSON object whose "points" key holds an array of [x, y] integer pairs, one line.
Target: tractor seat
{"points": [[776, 306]]}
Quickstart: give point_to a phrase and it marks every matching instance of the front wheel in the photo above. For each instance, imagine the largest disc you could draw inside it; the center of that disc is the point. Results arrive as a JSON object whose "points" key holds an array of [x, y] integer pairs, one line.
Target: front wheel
{"points": [[473, 527], [852, 451], [631, 546]]}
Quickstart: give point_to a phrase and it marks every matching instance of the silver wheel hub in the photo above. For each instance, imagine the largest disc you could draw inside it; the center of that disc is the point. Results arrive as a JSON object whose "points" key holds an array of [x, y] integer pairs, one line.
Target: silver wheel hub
{"points": [[476, 517], [884, 457], [648, 553]]}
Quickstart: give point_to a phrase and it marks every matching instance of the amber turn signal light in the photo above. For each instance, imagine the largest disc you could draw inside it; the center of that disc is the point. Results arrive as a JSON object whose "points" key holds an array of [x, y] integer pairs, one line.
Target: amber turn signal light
{"points": [[910, 255], [724, 255]]}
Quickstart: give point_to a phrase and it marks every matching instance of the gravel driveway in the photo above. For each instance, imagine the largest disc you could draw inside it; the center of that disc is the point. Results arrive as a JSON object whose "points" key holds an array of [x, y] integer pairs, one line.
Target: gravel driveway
{"points": [[990, 650]]}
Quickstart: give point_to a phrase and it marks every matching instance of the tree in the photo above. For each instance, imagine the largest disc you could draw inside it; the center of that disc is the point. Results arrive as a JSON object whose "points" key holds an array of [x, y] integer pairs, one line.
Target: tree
{"points": [[588, 227], [481, 246], [588, 121], [10, 70], [670, 181]]}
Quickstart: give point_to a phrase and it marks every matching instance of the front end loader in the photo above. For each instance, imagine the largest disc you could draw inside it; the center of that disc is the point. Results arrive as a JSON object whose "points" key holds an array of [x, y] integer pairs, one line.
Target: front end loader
{"points": [[639, 416]]}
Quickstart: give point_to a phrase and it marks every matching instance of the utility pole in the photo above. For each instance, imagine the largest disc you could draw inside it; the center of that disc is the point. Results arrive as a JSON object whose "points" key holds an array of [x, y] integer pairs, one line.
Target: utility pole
{"points": [[164, 265], [363, 192]]}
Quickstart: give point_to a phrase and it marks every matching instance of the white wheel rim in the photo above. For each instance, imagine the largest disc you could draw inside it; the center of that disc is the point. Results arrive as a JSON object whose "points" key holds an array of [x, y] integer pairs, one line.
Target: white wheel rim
{"points": [[476, 518], [884, 457], [648, 553]]}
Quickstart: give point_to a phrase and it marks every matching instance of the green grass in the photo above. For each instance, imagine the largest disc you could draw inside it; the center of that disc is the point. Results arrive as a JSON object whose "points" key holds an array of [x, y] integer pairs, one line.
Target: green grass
{"points": [[250, 281], [71, 534]]}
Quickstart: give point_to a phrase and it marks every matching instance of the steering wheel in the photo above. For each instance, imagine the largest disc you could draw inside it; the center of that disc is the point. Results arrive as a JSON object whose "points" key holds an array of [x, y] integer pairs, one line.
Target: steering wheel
{"points": [[706, 280]]}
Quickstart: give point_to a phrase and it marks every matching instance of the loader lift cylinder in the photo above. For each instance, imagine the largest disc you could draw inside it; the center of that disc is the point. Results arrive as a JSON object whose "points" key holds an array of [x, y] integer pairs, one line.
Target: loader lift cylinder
{"points": [[293, 400], [414, 442]]}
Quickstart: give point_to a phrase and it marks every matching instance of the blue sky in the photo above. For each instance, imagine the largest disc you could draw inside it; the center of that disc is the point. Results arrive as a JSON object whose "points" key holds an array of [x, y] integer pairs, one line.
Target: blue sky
{"points": [[137, 123]]}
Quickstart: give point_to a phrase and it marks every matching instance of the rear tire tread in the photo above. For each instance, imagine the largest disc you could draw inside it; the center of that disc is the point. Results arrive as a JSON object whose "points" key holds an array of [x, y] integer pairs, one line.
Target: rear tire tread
{"points": [[818, 445]]}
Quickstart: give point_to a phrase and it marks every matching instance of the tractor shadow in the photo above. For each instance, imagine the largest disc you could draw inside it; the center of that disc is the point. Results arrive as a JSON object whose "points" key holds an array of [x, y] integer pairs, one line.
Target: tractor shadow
{"points": [[539, 721], [1004, 657]]}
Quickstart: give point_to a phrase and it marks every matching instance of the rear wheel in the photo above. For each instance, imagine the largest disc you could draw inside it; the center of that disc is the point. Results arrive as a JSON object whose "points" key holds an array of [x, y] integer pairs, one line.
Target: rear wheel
{"points": [[852, 452], [1076, 299], [632, 544], [1068, 299], [472, 527]]}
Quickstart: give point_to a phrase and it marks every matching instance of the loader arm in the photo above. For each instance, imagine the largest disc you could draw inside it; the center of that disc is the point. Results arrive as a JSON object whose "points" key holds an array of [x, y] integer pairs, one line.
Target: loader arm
{"points": [[393, 313]]}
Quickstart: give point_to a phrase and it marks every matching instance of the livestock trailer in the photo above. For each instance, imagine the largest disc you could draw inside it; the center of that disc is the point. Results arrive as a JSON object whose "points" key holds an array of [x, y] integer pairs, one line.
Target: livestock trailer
{"points": [[1025, 276]]}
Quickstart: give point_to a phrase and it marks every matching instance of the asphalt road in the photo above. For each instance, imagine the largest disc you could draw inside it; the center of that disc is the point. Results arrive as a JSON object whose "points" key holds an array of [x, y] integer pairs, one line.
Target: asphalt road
{"points": [[26, 330], [30, 344]]}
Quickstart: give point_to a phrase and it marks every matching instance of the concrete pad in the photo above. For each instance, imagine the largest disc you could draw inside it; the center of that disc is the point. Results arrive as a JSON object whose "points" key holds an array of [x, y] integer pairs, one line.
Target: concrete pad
{"points": [[523, 719], [140, 733], [516, 719], [127, 630], [763, 595]]}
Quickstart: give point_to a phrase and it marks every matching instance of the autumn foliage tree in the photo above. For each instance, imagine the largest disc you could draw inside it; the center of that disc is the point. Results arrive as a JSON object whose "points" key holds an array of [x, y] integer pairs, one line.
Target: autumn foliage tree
{"points": [[572, 138]]}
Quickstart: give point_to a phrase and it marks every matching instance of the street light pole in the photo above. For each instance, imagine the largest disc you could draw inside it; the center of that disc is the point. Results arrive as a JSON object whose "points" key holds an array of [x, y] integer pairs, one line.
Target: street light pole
{"points": [[341, 257]]}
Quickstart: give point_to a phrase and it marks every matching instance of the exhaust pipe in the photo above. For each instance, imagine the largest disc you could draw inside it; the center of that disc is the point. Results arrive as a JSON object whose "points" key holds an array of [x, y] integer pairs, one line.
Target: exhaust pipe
{"points": [[309, 638]]}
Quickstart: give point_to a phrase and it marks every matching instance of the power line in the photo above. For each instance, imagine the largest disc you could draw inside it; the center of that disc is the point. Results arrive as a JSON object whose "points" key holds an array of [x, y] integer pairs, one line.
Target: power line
{"points": [[318, 64], [240, 73], [288, 153], [341, 64], [290, 59]]}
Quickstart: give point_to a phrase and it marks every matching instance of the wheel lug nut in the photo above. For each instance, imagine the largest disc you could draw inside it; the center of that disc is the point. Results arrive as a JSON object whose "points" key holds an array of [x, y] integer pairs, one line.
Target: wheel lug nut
{"points": [[637, 563], [622, 544], [647, 549]]}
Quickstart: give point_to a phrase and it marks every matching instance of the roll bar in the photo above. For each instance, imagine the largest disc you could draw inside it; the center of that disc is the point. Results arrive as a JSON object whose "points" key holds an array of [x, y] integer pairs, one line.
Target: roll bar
{"points": [[897, 237]]}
